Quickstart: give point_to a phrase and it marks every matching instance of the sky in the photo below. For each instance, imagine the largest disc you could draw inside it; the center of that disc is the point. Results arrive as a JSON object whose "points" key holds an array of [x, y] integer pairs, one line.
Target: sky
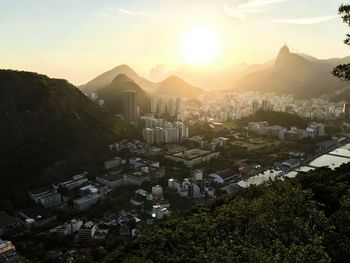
{"points": [[80, 39]]}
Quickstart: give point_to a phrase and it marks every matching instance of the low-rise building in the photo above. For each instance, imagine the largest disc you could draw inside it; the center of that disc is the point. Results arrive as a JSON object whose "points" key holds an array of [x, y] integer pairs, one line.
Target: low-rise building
{"points": [[10, 227], [192, 157], [8, 252], [225, 176], [112, 180], [113, 163], [46, 197], [36, 217], [67, 229], [85, 202], [87, 231], [76, 182]]}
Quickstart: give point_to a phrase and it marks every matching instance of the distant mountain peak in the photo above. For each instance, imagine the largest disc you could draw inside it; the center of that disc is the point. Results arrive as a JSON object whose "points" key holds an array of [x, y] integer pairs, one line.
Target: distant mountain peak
{"points": [[124, 67], [285, 58], [121, 78]]}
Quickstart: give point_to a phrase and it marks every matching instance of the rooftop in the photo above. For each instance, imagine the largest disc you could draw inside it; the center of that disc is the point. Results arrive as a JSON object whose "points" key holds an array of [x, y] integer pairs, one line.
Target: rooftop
{"points": [[191, 154]]}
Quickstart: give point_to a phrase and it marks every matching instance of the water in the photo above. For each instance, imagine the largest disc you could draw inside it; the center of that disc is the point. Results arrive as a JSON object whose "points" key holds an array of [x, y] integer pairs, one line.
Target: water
{"points": [[329, 160], [260, 178]]}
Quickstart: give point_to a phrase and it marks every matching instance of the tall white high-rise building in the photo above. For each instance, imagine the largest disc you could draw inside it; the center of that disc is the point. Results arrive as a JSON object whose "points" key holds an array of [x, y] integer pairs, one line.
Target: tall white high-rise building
{"points": [[154, 104], [159, 135], [161, 105], [130, 105], [148, 135]]}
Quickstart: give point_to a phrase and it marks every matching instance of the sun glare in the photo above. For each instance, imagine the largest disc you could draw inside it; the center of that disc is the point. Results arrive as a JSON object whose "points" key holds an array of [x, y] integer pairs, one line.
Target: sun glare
{"points": [[200, 46]]}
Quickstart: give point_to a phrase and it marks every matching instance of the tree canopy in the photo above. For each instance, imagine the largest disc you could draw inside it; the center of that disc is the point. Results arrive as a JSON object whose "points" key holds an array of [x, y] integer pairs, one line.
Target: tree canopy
{"points": [[343, 71]]}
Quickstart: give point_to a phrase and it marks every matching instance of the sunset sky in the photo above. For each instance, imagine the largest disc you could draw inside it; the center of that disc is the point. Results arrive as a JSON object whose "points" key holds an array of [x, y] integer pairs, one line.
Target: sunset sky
{"points": [[79, 39]]}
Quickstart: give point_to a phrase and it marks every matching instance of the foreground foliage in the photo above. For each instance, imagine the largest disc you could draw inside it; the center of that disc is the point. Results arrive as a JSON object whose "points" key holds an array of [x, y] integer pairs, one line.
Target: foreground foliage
{"points": [[306, 219]]}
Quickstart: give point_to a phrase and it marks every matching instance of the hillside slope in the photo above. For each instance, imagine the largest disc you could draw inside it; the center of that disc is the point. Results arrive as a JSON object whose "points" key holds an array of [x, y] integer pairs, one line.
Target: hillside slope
{"points": [[292, 74], [177, 87], [106, 78], [50, 130], [112, 94]]}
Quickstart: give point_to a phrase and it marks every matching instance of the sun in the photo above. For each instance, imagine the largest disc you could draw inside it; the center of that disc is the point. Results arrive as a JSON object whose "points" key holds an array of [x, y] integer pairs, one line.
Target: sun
{"points": [[200, 46]]}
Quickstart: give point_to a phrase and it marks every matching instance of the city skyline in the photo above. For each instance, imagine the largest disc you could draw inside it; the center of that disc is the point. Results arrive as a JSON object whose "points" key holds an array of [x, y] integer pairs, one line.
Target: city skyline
{"points": [[83, 39]]}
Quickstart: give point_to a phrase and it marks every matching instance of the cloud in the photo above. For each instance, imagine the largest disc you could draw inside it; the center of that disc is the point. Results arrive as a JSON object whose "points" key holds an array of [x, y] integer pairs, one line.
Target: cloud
{"points": [[130, 13], [305, 21], [248, 7]]}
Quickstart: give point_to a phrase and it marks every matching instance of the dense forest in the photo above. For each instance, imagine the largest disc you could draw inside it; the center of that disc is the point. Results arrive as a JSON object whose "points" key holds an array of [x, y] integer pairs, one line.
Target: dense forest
{"points": [[50, 130], [306, 219]]}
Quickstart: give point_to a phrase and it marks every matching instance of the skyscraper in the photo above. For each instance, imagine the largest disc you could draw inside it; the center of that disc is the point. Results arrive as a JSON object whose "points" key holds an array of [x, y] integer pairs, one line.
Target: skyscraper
{"points": [[130, 105], [154, 104], [161, 105], [346, 111], [148, 135], [255, 106]]}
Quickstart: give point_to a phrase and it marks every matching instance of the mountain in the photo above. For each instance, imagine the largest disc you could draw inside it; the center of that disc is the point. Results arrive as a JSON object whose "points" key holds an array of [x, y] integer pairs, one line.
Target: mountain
{"points": [[292, 74], [112, 94], [49, 131], [106, 78], [330, 61], [178, 87], [208, 78]]}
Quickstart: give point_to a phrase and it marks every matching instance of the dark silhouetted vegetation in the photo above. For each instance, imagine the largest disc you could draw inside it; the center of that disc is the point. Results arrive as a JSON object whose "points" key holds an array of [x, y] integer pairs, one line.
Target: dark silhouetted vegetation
{"points": [[49, 131], [283, 119], [305, 219]]}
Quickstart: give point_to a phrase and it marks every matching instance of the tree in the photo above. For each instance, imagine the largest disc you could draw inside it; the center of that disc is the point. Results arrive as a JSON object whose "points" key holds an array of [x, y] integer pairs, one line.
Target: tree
{"points": [[343, 71]]}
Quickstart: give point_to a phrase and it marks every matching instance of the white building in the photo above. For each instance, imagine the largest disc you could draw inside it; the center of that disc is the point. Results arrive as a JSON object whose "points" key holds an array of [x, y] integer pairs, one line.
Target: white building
{"points": [[46, 197], [85, 202], [148, 135], [87, 231]]}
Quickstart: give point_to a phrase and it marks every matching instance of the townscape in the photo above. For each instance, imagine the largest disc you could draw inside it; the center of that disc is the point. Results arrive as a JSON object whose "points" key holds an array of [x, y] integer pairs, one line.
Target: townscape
{"points": [[218, 141]]}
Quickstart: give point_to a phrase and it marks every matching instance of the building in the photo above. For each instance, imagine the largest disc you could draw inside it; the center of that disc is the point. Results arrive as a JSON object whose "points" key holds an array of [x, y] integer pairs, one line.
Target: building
{"points": [[46, 197], [346, 111], [161, 105], [130, 105], [76, 182], [85, 202], [140, 197], [111, 180], [113, 163], [87, 231], [225, 176], [184, 132], [159, 212], [34, 218], [192, 157], [255, 106], [171, 135], [148, 135], [8, 252], [69, 228], [10, 227], [154, 104], [159, 135], [291, 163]]}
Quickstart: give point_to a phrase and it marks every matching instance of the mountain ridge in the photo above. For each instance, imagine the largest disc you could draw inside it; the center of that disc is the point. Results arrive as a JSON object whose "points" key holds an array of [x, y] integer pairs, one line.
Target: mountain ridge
{"points": [[291, 74], [49, 125]]}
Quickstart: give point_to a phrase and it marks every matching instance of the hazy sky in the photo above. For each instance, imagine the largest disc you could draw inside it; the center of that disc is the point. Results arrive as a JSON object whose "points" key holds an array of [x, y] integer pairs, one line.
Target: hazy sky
{"points": [[79, 39]]}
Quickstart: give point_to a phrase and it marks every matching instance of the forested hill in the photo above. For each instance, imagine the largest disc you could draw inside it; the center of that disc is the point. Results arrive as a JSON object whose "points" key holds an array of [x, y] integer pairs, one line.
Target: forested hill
{"points": [[283, 119], [49, 130], [306, 219]]}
